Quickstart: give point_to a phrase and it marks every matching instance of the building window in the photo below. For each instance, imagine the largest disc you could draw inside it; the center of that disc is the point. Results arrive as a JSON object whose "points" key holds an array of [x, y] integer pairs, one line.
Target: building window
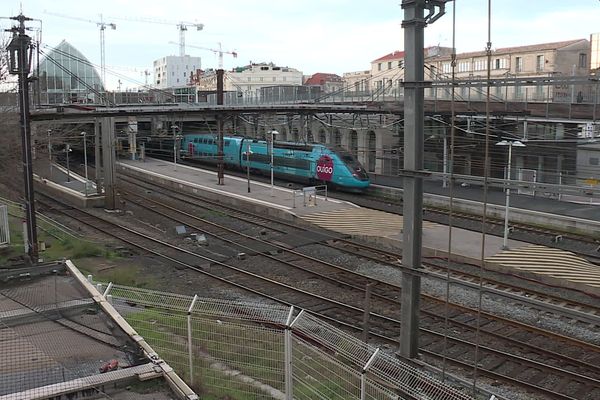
{"points": [[261, 79], [379, 67], [274, 79], [389, 65], [446, 68], [582, 60], [593, 160], [519, 64], [539, 63], [184, 74], [499, 63], [284, 79], [479, 65], [400, 63], [249, 79], [463, 66]]}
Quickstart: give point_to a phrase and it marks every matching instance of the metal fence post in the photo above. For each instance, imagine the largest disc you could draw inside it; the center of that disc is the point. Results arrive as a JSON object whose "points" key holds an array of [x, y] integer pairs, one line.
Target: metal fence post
{"points": [[363, 375], [189, 332], [289, 376], [108, 288]]}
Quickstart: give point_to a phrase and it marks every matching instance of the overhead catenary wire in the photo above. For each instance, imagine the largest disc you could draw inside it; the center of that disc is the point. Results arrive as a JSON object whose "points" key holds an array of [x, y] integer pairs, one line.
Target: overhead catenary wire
{"points": [[450, 194]]}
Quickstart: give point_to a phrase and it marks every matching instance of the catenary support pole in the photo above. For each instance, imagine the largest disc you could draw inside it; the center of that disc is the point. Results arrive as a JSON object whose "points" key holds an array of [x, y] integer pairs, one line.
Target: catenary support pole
{"points": [[108, 161], [414, 25], [221, 172], [19, 64], [97, 156]]}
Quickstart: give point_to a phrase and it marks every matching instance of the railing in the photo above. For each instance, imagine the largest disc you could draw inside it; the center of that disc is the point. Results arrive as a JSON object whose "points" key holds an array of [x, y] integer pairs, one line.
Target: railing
{"points": [[309, 195]]}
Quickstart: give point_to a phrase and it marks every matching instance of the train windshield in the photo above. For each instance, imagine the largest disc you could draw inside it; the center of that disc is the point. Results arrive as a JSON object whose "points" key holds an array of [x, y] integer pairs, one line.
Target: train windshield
{"points": [[352, 164]]}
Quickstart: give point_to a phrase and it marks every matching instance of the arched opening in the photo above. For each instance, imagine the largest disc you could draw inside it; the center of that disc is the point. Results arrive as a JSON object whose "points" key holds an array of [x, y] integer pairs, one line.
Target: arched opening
{"points": [[354, 143], [295, 134], [322, 137], [337, 137], [371, 151]]}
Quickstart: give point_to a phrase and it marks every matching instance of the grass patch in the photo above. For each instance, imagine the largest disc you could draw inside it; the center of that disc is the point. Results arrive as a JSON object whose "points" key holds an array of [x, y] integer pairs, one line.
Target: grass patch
{"points": [[58, 245], [122, 272], [249, 349]]}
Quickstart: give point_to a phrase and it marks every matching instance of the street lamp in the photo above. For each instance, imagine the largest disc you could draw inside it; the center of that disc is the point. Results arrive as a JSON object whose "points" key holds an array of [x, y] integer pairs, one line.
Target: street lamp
{"points": [[50, 150], [174, 129], [84, 134], [273, 133], [510, 145], [68, 150]]}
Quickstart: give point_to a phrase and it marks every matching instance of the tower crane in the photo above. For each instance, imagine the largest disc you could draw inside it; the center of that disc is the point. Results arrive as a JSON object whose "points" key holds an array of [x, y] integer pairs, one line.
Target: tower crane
{"points": [[102, 25], [182, 26], [220, 52]]}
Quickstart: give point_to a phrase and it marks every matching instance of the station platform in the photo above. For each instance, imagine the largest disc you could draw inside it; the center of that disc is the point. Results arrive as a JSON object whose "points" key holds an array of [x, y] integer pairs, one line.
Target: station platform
{"points": [[55, 180], [368, 224]]}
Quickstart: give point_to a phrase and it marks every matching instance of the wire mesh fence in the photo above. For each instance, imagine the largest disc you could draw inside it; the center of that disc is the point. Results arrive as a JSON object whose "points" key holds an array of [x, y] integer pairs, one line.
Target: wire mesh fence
{"points": [[55, 341], [244, 350]]}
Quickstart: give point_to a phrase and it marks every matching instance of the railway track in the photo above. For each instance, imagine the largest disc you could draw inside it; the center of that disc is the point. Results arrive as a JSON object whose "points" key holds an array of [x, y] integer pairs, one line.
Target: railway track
{"points": [[573, 372], [388, 294], [578, 312]]}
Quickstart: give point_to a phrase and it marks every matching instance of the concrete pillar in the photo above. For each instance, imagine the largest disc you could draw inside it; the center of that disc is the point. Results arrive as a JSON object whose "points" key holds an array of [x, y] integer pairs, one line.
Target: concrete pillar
{"points": [[383, 140], [156, 124], [363, 147], [345, 133], [108, 161]]}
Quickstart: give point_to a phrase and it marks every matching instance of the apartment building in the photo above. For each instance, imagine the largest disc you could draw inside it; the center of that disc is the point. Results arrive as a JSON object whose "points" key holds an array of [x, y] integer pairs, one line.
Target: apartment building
{"points": [[565, 58], [387, 72], [249, 79], [328, 83], [595, 52], [174, 71], [357, 81]]}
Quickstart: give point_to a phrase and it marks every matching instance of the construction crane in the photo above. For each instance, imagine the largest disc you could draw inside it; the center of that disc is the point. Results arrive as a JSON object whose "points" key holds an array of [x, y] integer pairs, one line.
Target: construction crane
{"points": [[220, 52], [102, 25], [182, 26]]}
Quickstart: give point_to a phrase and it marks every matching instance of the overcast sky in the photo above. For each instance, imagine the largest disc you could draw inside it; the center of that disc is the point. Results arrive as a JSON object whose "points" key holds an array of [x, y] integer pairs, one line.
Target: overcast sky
{"points": [[333, 36]]}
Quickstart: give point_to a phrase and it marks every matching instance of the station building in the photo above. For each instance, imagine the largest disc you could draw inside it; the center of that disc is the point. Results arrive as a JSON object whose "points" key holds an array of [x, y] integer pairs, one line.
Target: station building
{"points": [[566, 58]]}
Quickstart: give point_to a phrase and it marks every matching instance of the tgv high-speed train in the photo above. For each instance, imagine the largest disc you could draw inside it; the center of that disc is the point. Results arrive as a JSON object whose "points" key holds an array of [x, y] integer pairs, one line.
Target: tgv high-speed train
{"points": [[295, 161]]}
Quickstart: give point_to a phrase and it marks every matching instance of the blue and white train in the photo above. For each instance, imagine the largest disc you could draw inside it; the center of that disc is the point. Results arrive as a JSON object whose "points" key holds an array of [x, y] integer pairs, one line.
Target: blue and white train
{"points": [[311, 163]]}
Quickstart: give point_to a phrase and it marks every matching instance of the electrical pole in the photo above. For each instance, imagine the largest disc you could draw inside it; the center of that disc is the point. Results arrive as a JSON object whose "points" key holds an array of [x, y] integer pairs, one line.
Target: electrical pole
{"points": [[414, 25], [221, 173], [19, 64]]}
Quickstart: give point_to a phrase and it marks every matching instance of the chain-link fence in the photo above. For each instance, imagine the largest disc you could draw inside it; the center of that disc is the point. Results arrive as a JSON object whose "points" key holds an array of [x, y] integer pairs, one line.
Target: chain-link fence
{"points": [[55, 341], [240, 350]]}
